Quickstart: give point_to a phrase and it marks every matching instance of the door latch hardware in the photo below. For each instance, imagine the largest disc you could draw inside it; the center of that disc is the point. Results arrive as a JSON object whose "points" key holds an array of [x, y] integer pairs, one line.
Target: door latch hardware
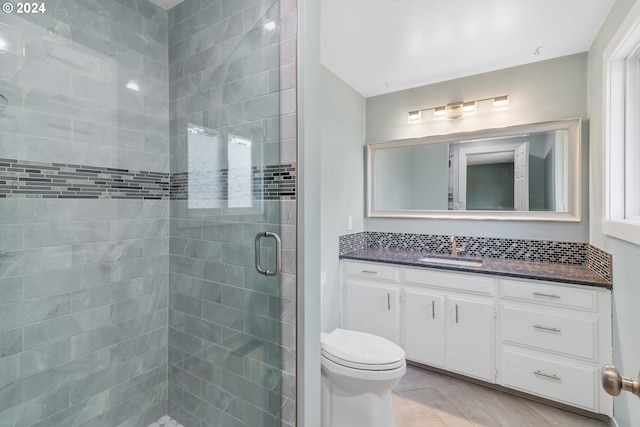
{"points": [[613, 383]]}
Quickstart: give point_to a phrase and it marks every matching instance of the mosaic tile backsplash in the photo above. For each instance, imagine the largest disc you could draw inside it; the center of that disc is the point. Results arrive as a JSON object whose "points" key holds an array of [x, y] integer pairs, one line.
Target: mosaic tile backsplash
{"points": [[573, 253]]}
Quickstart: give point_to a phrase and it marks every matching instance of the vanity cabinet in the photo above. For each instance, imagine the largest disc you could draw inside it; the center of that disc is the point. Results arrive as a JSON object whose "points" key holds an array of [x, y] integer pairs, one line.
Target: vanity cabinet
{"points": [[423, 322], [469, 336], [459, 335], [553, 339], [542, 338], [371, 299]]}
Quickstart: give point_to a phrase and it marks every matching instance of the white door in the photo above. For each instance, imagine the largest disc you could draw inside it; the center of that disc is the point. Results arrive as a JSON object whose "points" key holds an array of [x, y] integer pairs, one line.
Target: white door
{"points": [[521, 176], [469, 336], [424, 327], [372, 308]]}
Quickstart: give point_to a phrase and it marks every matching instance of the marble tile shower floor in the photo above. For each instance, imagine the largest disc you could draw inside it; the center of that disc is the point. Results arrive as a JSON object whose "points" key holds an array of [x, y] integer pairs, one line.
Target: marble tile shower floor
{"points": [[428, 399], [166, 421]]}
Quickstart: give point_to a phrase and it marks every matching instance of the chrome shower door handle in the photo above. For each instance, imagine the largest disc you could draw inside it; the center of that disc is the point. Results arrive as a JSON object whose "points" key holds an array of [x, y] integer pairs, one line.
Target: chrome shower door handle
{"points": [[266, 271]]}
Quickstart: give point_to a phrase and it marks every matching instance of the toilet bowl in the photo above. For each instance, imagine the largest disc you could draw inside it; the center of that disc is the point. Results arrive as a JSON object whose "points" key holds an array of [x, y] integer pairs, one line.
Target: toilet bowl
{"points": [[358, 372]]}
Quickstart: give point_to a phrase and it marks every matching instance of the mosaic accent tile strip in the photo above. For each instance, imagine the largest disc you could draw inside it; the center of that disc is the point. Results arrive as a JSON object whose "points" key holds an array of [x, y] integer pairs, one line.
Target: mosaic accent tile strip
{"points": [[571, 253], [30, 179], [21, 179], [601, 262], [272, 182]]}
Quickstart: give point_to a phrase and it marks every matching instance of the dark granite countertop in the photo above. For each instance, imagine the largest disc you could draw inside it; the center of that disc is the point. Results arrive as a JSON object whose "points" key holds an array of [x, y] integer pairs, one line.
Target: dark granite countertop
{"points": [[564, 273]]}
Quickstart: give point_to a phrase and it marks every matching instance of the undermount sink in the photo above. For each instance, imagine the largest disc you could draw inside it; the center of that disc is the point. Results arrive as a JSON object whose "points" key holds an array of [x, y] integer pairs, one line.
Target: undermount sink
{"points": [[452, 261]]}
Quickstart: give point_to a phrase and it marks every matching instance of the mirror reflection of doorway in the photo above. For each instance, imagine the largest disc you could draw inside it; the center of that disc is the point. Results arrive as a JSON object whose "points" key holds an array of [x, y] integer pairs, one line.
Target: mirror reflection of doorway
{"points": [[521, 177], [488, 179]]}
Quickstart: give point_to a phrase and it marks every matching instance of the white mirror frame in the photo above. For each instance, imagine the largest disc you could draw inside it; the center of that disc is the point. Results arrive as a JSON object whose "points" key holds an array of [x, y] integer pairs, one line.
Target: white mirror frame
{"points": [[572, 126]]}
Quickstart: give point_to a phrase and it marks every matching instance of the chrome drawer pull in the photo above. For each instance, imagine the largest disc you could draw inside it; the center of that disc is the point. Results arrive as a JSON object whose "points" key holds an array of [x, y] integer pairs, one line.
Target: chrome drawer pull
{"points": [[551, 376], [544, 328], [370, 271], [433, 309], [540, 294], [388, 301]]}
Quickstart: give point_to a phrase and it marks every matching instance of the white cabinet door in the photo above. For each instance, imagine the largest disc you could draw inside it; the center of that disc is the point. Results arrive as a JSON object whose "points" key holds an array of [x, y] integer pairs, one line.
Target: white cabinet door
{"points": [[424, 326], [373, 308], [469, 336]]}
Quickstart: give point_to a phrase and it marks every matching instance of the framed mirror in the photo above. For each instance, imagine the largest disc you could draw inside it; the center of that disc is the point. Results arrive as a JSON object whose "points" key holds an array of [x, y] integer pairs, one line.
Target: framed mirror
{"points": [[527, 172]]}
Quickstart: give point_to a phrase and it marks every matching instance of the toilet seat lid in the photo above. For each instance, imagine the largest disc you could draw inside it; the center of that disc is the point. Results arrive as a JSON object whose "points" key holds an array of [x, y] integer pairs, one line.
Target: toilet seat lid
{"points": [[361, 350]]}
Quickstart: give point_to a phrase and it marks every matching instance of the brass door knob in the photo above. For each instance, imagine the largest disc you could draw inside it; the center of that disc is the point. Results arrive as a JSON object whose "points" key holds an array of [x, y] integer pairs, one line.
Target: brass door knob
{"points": [[613, 383]]}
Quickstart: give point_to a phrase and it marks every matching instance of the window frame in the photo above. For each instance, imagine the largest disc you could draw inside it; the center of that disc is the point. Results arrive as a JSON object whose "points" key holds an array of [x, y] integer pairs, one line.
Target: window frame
{"points": [[622, 135]]}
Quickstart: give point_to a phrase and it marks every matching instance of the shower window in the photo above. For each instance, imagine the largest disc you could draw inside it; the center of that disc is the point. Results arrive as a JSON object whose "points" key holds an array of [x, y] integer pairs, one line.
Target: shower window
{"points": [[205, 167], [239, 172], [221, 176]]}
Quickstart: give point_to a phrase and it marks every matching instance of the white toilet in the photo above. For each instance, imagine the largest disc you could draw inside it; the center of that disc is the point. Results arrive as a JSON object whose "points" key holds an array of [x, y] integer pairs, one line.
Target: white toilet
{"points": [[358, 372]]}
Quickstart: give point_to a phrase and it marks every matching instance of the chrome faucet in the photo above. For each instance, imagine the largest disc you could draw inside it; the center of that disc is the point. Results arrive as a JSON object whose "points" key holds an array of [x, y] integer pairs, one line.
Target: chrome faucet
{"points": [[455, 249]]}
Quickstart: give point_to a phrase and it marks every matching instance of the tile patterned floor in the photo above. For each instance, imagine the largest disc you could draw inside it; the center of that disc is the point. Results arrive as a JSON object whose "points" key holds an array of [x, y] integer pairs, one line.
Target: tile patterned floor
{"points": [[428, 399]]}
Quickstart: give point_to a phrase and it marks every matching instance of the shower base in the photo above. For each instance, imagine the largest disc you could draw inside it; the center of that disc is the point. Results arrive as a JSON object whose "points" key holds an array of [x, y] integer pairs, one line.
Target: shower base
{"points": [[166, 421]]}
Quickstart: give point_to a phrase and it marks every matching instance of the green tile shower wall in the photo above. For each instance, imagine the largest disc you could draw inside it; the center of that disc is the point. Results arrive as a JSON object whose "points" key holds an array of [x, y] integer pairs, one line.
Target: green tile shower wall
{"points": [[84, 283]]}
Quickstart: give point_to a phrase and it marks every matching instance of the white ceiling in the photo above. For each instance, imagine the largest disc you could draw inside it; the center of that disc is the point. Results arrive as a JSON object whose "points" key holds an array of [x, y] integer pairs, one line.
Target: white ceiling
{"points": [[380, 46]]}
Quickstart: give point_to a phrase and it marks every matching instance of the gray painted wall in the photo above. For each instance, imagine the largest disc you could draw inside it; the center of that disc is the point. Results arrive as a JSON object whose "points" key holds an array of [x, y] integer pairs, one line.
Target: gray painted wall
{"points": [[543, 91], [626, 292], [342, 182], [429, 177], [490, 187], [309, 212], [394, 175], [83, 283], [414, 177]]}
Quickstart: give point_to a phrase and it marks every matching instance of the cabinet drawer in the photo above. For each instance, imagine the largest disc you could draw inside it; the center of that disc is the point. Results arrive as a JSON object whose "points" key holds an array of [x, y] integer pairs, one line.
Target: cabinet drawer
{"points": [[561, 331], [481, 285], [561, 296], [569, 383], [372, 271]]}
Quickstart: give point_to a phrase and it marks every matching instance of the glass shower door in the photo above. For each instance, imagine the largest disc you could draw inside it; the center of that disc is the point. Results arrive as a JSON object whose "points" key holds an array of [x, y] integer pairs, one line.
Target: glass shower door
{"points": [[231, 305]]}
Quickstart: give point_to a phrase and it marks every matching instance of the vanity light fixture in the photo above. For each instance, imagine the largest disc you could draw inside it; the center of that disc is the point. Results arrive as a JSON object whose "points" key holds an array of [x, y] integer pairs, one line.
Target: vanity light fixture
{"points": [[469, 108], [415, 116], [440, 113], [501, 103], [458, 110], [454, 111]]}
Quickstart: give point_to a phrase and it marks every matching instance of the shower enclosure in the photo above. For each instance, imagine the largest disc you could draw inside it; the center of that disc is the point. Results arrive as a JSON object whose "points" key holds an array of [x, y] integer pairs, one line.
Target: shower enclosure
{"points": [[147, 196]]}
